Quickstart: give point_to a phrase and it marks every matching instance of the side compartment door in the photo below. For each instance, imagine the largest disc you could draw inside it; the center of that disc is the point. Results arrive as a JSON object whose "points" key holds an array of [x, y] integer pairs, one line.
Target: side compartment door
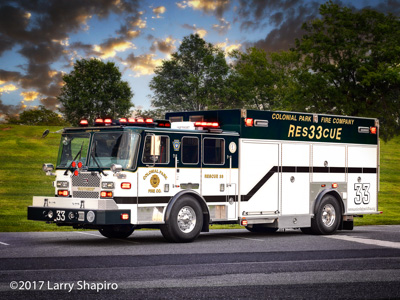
{"points": [[259, 177]]}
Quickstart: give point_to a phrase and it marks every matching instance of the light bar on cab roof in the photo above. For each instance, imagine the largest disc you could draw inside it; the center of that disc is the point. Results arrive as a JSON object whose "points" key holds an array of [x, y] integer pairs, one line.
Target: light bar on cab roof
{"points": [[84, 123], [206, 124]]}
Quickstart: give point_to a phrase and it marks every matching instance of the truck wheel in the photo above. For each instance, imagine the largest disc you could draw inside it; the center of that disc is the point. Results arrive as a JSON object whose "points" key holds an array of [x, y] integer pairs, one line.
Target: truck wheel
{"points": [[327, 217], [261, 229], [117, 231], [185, 221]]}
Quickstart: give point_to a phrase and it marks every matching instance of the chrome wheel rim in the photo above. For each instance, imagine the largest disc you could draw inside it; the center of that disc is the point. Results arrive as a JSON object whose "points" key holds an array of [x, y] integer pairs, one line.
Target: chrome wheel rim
{"points": [[328, 215], [186, 219]]}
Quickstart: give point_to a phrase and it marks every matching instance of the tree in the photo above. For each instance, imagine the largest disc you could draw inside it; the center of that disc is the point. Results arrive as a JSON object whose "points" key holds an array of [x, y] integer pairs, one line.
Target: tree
{"points": [[94, 89], [38, 116], [193, 79], [354, 63], [265, 81]]}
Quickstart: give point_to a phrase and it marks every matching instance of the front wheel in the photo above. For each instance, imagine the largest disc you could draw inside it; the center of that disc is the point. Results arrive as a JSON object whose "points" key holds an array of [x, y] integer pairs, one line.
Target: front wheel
{"points": [[327, 217], [185, 221], [117, 231]]}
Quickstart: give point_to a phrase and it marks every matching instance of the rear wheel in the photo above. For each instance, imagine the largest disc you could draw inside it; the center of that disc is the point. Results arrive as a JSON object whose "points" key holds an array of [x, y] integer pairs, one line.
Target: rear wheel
{"points": [[117, 231], [185, 221], [327, 217]]}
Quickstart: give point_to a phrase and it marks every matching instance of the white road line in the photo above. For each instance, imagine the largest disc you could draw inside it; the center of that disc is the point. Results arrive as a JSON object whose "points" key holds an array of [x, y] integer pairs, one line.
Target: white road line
{"points": [[243, 238], [87, 233], [364, 241], [5, 244]]}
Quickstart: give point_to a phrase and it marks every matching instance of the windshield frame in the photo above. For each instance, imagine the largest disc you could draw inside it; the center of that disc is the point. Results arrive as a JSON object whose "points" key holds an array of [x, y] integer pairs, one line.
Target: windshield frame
{"points": [[134, 145]]}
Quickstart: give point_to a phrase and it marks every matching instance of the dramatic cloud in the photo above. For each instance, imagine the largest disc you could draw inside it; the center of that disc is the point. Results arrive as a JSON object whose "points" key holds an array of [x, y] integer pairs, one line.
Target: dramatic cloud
{"points": [[200, 31], [166, 46], [30, 96], [222, 27], [143, 64], [7, 88], [227, 47], [40, 29], [159, 11], [11, 110], [216, 7]]}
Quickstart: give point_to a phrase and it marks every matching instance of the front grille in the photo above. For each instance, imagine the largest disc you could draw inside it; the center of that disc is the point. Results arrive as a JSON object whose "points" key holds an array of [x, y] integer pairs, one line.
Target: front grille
{"points": [[86, 185], [86, 179]]}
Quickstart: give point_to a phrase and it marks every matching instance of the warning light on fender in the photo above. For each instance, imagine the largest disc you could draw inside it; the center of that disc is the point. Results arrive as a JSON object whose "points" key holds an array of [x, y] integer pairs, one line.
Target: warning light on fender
{"points": [[244, 223], [334, 185], [124, 216], [372, 130], [248, 122], [126, 185]]}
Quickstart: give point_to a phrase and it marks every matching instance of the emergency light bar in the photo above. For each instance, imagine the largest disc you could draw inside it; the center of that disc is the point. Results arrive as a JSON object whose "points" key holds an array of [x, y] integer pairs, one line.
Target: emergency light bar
{"points": [[148, 122], [206, 124]]}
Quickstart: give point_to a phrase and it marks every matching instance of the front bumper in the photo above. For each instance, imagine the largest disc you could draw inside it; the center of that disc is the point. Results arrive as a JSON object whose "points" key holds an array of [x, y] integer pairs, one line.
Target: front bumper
{"points": [[70, 216]]}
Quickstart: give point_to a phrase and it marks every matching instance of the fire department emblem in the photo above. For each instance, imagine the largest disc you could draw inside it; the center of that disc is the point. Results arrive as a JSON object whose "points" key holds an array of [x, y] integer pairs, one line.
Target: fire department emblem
{"points": [[155, 181], [176, 144]]}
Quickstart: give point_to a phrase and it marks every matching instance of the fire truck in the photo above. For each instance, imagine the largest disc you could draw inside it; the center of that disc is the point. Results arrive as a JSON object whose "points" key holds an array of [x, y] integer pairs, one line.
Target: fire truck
{"points": [[263, 170]]}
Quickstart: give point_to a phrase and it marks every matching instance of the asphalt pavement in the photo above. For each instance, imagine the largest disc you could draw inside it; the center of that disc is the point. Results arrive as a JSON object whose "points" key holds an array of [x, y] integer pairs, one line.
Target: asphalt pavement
{"points": [[222, 264]]}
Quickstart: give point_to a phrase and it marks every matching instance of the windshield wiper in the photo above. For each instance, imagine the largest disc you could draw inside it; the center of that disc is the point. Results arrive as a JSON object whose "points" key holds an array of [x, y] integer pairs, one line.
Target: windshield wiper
{"points": [[93, 154], [80, 156]]}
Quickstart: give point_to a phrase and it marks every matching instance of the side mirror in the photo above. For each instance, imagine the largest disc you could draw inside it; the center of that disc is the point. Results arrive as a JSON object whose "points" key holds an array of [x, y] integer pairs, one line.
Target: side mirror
{"points": [[48, 169], [117, 169]]}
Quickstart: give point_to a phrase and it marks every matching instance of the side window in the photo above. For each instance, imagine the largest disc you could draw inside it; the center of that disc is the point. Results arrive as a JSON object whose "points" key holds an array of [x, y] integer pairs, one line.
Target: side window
{"points": [[190, 150], [214, 151], [163, 158]]}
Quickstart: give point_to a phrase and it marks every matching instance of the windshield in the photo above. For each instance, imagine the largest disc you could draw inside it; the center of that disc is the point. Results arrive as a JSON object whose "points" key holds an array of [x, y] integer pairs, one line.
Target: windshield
{"points": [[70, 148], [113, 148]]}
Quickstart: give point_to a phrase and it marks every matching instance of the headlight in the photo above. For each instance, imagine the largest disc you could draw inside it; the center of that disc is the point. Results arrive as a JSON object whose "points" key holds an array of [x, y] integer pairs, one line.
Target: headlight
{"points": [[107, 185], [50, 214], [62, 184], [90, 216]]}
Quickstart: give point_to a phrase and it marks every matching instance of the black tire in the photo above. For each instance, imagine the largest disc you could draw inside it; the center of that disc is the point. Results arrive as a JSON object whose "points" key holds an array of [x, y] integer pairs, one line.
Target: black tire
{"points": [[261, 229], [185, 221], [117, 231], [327, 217]]}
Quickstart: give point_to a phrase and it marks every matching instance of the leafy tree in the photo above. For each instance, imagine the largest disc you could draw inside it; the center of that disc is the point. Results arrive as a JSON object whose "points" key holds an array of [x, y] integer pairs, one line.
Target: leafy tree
{"points": [[265, 81], [38, 116], [94, 89], [193, 79], [354, 63]]}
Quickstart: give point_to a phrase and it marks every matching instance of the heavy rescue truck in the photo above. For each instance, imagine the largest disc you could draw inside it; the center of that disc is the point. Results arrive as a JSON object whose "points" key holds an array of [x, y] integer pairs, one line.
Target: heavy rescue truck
{"points": [[264, 170]]}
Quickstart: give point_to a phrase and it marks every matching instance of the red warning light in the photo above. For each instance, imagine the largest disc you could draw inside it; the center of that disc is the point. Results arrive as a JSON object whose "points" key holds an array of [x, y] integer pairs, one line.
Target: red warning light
{"points": [[334, 185], [248, 122], [76, 172], [73, 164], [206, 124], [84, 123], [80, 165], [124, 216], [372, 130], [107, 121]]}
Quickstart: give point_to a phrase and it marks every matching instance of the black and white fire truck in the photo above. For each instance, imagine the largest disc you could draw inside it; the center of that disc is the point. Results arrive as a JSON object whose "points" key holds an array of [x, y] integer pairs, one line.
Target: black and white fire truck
{"points": [[261, 169]]}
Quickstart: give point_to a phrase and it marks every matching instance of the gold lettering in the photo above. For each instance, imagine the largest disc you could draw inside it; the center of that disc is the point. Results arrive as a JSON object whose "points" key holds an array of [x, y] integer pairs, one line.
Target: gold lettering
{"points": [[326, 133], [319, 134], [312, 133], [298, 130], [339, 132], [291, 130]]}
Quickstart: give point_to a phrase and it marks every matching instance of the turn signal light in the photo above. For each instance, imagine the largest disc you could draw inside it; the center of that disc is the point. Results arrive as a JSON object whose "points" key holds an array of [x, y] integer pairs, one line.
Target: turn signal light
{"points": [[106, 194], [63, 193], [334, 185]]}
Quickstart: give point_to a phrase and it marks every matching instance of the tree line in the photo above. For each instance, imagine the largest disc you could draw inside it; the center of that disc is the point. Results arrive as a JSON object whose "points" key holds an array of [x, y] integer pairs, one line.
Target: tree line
{"points": [[346, 63]]}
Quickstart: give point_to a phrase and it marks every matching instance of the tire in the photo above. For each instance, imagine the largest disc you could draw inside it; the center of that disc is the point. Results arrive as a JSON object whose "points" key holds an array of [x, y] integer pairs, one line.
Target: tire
{"points": [[185, 221], [117, 231], [327, 217], [261, 229]]}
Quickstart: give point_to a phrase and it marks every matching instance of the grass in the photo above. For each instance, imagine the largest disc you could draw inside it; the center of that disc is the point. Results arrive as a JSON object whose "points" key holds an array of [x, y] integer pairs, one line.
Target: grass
{"points": [[23, 151]]}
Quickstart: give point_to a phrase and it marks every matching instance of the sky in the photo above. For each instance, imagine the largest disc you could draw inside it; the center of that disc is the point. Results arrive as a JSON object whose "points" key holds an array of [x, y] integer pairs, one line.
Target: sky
{"points": [[41, 39]]}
